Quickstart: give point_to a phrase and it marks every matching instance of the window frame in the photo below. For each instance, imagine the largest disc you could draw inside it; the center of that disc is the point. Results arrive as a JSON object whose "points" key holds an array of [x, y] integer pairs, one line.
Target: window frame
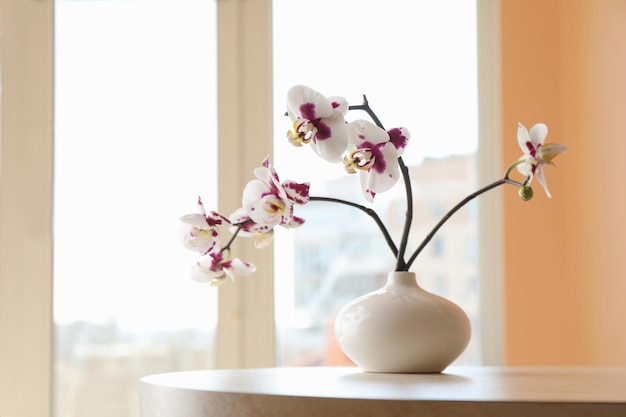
{"points": [[245, 336], [246, 324], [26, 48]]}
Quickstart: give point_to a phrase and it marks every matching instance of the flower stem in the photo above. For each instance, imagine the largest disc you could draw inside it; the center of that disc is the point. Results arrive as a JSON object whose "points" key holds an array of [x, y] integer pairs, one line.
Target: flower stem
{"points": [[365, 106], [399, 254], [408, 218], [370, 212], [454, 209], [234, 236]]}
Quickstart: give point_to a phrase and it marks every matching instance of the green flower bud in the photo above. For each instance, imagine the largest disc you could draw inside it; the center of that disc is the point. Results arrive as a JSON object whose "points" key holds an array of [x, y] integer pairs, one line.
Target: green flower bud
{"points": [[526, 193]]}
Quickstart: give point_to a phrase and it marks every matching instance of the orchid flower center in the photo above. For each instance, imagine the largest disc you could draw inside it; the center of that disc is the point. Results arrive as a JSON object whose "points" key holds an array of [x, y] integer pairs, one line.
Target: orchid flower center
{"points": [[272, 204], [361, 159], [303, 132], [532, 151]]}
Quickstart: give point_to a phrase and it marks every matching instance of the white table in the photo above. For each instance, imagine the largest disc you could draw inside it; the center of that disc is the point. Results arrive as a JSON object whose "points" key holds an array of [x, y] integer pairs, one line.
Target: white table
{"points": [[347, 392]]}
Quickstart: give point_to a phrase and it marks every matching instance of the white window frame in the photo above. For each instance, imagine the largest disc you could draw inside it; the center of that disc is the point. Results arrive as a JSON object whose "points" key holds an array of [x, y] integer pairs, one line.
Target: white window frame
{"points": [[246, 325]]}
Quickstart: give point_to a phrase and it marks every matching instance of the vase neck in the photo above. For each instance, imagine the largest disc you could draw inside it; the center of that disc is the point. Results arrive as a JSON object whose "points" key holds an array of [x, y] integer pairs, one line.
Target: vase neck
{"points": [[401, 278]]}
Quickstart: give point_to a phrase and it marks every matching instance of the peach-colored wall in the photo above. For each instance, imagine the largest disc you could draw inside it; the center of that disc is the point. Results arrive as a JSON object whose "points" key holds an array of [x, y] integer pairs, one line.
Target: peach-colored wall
{"points": [[564, 63]]}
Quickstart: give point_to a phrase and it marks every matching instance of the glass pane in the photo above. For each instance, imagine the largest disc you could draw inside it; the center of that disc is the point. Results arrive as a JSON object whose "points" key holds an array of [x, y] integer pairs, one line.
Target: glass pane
{"points": [[416, 63], [135, 142]]}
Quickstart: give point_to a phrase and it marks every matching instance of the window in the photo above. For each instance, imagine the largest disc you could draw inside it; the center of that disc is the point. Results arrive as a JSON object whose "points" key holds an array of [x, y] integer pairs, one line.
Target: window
{"points": [[418, 69]]}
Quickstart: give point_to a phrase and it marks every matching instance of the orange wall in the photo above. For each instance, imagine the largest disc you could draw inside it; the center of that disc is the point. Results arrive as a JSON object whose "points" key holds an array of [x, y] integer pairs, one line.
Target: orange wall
{"points": [[564, 63]]}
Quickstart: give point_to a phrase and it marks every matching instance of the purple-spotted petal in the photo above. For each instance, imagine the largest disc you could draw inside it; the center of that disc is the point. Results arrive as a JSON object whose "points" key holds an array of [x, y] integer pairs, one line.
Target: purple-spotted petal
{"points": [[383, 175], [331, 139], [294, 222], [206, 275], [200, 240], [399, 136], [530, 142], [339, 104], [361, 131], [261, 204], [214, 267], [200, 231], [239, 216], [241, 268], [297, 192], [306, 103]]}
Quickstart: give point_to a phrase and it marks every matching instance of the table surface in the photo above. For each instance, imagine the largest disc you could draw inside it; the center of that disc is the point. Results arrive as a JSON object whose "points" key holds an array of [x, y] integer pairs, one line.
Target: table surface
{"points": [[348, 391]]}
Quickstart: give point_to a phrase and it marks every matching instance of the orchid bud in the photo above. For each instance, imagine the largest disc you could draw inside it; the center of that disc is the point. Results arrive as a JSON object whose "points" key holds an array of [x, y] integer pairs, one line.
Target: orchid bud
{"points": [[526, 193]]}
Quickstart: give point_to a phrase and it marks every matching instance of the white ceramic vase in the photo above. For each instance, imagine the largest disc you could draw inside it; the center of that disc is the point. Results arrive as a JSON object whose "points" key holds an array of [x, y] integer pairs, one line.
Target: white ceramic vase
{"points": [[402, 328]]}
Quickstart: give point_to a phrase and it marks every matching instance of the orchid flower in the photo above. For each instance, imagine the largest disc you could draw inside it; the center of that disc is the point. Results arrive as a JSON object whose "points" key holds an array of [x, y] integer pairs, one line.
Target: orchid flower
{"points": [[201, 232], [536, 153], [318, 121], [215, 266], [270, 203], [263, 233], [375, 156]]}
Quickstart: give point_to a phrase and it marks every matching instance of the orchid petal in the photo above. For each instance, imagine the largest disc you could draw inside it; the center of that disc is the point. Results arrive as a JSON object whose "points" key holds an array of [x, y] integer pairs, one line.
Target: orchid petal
{"points": [[241, 268], [200, 240], [293, 222], [195, 220], [206, 275], [200, 232], [538, 134], [263, 240], [523, 138], [381, 177], [400, 138], [261, 205], [542, 180], [361, 131], [214, 267], [239, 216], [307, 103], [331, 140], [339, 104], [549, 151], [298, 193]]}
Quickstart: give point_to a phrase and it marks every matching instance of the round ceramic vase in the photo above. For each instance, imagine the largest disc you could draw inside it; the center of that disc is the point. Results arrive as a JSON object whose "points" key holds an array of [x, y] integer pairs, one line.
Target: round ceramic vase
{"points": [[402, 328]]}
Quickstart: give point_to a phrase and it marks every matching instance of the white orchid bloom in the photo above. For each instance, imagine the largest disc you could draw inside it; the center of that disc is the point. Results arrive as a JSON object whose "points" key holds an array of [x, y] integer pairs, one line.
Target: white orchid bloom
{"points": [[374, 157], [270, 203], [216, 266], [536, 153], [317, 121], [201, 230]]}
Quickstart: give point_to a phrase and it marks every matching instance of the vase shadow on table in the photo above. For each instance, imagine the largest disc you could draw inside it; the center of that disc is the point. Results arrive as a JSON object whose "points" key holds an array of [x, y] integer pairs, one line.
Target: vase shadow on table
{"points": [[406, 382]]}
